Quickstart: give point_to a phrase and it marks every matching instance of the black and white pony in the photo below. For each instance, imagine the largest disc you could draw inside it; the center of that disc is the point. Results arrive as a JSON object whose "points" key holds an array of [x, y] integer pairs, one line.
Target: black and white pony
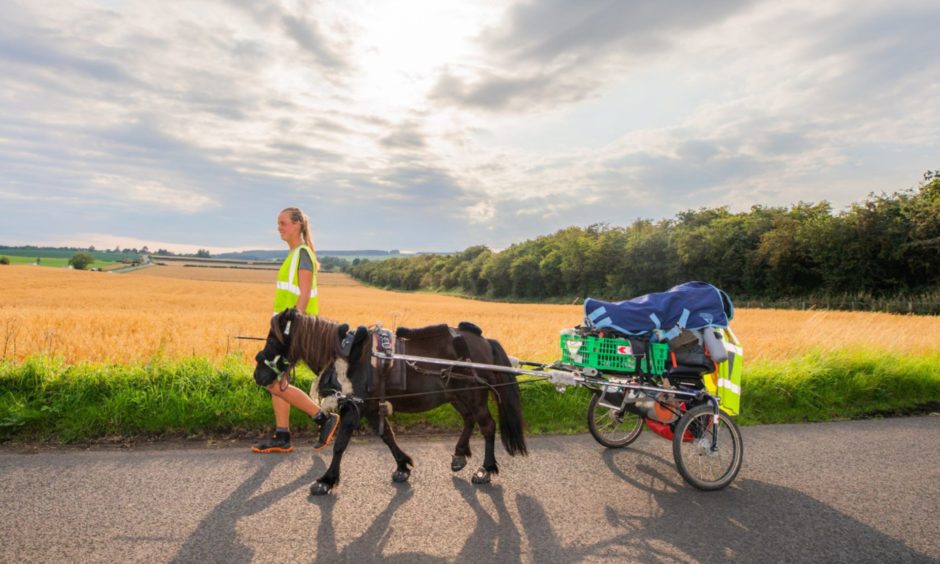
{"points": [[359, 384]]}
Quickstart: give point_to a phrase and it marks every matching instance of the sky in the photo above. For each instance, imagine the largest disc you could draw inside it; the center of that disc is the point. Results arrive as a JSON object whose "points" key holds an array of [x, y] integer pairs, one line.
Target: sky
{"points": [[437, 125]]}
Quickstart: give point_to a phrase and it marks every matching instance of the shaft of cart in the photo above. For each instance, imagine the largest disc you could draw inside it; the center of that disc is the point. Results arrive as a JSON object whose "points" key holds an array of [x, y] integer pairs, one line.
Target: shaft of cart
{"points": [[560, 378]]}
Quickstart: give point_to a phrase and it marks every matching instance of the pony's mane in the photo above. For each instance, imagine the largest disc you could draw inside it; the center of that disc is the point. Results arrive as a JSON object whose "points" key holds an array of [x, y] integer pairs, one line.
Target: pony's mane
{"points": [[315, 341]]}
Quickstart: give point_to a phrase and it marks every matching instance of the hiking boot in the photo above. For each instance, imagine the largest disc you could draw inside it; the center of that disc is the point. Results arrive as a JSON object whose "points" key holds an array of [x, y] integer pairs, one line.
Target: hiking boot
{"points": [[280, 442], [327, 430]]}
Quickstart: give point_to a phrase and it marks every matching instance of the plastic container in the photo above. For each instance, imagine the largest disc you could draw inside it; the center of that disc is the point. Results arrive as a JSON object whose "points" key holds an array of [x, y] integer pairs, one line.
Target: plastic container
{"points": [[611, 354]]}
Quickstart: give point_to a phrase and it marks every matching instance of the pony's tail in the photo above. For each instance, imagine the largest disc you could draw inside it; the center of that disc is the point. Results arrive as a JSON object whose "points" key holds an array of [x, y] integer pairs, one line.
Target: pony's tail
{"points": [[511, 422]]}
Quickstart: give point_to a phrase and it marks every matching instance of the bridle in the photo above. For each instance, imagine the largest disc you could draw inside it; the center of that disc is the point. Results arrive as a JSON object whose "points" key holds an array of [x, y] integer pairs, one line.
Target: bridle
{"points": [[279, 364]]}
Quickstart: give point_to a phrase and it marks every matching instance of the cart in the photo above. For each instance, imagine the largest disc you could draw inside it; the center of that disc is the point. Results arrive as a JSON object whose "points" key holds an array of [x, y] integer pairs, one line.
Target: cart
{"points": [[631, 389]]}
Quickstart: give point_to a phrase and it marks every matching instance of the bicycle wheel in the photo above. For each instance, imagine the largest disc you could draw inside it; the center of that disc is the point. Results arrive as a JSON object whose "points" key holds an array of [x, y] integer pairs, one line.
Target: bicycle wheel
{"points": [[700, 464], [611, 428]]}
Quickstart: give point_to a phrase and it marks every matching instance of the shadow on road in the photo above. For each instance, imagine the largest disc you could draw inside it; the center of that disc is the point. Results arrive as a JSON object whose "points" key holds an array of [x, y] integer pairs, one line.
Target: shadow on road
{"points": [[370, 545], [215, 539], [746, 521], [491, 540]]}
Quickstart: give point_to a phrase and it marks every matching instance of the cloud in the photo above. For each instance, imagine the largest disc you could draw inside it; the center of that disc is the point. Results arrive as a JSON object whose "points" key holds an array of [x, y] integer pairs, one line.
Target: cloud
{"points": [[307, 34], [195, 124], [549, 31], [406, 136], [155, 194], [504, 91], [43, 53], [557, 52], [327, 49]]}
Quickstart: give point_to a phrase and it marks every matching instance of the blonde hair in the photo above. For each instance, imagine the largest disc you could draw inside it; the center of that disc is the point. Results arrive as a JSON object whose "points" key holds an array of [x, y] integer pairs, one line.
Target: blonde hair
{"points": [[298, 216]]}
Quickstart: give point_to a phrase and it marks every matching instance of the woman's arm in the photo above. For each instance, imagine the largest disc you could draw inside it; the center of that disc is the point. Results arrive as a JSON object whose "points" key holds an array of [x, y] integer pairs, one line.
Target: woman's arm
{"points": [[305, 281]]}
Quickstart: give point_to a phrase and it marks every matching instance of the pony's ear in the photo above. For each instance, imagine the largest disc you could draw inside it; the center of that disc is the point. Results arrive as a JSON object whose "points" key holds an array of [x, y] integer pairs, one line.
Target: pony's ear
{"points": [[287, 317], [361, 333], [291, 314]]}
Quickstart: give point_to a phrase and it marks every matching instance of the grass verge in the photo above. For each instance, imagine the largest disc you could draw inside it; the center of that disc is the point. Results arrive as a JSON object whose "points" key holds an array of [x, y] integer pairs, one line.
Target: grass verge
{"points": [[46, 400]]}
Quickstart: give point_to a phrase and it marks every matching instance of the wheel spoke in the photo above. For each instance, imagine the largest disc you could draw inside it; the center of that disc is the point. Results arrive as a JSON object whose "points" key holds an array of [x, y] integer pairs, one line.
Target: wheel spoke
{"points": [[701, 466], [608, 428]]}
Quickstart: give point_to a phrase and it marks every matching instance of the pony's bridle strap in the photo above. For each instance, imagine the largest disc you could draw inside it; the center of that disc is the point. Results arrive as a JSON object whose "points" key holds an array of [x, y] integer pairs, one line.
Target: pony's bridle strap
{"points": [[277, 330]]}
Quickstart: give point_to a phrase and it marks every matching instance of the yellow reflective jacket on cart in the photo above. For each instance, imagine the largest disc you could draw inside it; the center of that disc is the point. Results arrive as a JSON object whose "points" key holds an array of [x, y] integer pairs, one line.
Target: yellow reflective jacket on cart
{"points": [[725, 382]]}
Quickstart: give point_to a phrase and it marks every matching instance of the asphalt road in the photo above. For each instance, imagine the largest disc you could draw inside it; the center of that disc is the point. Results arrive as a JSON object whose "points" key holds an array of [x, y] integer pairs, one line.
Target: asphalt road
{"points": [[861, 491]]}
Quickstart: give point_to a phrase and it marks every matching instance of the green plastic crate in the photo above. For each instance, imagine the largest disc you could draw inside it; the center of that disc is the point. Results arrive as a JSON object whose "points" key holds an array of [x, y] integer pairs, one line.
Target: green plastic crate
{"points": [[658, 354], [611, 354]]}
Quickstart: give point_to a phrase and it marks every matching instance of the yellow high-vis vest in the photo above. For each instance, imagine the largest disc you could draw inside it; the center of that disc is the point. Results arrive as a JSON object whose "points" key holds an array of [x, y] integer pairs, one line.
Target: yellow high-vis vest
{"points": [[288, 290], [725, 382]]}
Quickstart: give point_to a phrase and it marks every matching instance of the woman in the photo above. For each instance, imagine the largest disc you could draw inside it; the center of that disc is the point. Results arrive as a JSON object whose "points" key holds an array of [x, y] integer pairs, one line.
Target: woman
{"points": [[296, 287]]}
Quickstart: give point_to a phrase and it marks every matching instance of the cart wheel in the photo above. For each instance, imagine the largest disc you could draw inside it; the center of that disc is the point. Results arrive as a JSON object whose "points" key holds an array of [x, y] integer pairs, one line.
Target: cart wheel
{"points": [[702, 465], [609, 428]]}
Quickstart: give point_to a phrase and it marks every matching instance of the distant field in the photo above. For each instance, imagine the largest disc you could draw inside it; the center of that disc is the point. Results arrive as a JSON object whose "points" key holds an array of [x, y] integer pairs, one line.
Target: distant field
{"points": [[65, 253], [178, 312], [54, 262], [48, 261]]}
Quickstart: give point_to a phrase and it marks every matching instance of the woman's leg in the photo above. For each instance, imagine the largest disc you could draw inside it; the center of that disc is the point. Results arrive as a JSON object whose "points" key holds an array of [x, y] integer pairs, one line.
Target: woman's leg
{"points": [[281, 412], [297, 398], [280, 442], [292, 396]]}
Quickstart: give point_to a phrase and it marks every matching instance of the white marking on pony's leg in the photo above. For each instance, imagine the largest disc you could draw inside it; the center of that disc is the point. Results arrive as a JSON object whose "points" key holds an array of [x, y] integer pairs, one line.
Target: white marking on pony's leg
{"points": [[329, 404], [342, 370]]}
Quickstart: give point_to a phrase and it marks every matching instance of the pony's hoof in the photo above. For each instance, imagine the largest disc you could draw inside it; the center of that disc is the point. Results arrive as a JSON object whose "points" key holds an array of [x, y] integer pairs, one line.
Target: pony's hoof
{"points": [[457, 463], [481, 476], [400, 476], [319, 488]]}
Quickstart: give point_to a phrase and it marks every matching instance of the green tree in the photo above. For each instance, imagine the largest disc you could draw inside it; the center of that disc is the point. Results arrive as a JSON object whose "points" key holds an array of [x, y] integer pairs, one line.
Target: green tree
{"points": [[790, 254], [526, 280], [922, 251], [886, 244], [333, 264], [649, 261], [81, 261], [496, 273]]}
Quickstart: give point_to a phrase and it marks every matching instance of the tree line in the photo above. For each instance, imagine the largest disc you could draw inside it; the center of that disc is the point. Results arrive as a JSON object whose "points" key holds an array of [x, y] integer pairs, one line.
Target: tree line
{"points": [[886, 245]]}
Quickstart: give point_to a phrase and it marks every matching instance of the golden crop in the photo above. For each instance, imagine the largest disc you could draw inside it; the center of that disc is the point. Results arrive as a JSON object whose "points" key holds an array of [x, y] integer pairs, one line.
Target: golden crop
{"points": [[176, 311]]}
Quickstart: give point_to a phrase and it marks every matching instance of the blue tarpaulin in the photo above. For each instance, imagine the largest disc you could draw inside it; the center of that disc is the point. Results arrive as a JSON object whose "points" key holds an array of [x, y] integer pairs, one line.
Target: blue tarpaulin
{"points": [[692, 305]]}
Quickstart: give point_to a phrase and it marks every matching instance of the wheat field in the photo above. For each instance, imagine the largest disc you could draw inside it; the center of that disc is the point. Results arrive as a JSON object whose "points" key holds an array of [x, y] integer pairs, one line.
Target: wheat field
{"points": [[176, 311]]}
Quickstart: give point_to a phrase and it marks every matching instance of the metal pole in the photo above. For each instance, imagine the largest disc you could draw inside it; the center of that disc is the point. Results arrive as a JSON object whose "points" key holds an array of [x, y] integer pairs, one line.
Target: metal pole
{"points": [[464, 364]]}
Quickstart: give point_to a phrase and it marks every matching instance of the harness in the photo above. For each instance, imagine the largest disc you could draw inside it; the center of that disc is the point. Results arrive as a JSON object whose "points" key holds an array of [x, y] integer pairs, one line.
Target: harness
{"points": [[390, 371]]}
